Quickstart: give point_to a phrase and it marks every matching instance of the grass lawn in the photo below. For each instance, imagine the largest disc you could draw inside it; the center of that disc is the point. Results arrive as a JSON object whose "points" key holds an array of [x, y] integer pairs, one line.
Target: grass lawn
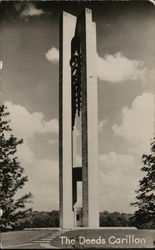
{"points": [[110, 238]]}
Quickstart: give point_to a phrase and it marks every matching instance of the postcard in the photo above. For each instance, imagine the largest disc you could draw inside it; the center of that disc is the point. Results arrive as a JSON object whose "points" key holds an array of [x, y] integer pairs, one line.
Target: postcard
{"points": [[77, 124]]}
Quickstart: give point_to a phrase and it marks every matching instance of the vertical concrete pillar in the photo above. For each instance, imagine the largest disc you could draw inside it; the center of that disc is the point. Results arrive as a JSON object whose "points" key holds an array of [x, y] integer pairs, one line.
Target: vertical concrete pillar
{"points": [[67, 30], [87, 31], [92, 121]]}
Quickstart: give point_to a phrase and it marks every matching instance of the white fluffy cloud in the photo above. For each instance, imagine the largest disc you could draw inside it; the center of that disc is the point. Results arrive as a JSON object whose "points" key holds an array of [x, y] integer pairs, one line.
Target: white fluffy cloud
{"points": [[28, 10], [26, 124], [119, 175], [42, 173], [52, 55], [118, 68], [113, 68], [137, 124], [112, 161], [25, 153]]}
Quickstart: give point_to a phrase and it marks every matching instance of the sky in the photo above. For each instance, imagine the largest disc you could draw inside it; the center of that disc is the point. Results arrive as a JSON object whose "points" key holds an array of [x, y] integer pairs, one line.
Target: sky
{"points": [[29, 87]]}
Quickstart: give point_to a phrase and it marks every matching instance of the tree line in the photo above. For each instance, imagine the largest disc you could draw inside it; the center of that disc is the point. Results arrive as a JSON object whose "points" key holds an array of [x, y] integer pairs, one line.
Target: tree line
{"points": [[44, 219]]}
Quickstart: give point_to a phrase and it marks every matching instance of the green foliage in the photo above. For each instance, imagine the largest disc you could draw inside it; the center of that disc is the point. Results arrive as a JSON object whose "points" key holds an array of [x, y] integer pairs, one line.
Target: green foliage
{"points": [[44, 219], [11, 177], [51, 219], [115, 219], [145, 215]]}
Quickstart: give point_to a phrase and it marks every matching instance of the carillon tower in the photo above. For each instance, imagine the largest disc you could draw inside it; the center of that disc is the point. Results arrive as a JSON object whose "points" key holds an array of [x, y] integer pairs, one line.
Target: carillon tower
{"points": [[78, 122]]}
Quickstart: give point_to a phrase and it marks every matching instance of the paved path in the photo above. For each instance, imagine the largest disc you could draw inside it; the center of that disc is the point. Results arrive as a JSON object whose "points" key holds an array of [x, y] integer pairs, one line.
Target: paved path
{"points": [[46, 242], [26, 239]]}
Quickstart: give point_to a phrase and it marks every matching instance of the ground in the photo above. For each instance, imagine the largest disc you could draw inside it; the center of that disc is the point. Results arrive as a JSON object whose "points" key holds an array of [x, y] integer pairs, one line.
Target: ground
{"points": [[23, 239], [27, 239]]}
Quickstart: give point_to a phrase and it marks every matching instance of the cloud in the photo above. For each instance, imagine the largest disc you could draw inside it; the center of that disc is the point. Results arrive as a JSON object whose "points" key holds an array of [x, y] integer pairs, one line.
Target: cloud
{"points": [[113, 160], [1, 65], [28, 10], [119, 176], [152, 1], [52, 55], [31, 10], [25, 153], [43, 174], [137, 124], [101, 124], [26, 124], [43, 181], [118, 68], [113, 68]]}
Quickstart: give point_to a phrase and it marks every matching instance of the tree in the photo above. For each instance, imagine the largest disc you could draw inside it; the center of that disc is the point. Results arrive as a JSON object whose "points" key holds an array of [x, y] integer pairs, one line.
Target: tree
{"points": [[115, 219], [145, 215], [11, 177], [44, 219]]}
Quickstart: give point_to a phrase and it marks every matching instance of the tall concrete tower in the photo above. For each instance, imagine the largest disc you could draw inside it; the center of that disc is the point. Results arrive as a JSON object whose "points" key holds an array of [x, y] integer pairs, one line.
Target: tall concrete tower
{"points": [[78, 121]]}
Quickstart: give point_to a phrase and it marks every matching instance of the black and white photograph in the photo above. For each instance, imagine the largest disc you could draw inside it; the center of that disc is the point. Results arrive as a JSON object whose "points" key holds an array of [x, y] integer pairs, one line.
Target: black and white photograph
{"points": [[77, 124]]}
